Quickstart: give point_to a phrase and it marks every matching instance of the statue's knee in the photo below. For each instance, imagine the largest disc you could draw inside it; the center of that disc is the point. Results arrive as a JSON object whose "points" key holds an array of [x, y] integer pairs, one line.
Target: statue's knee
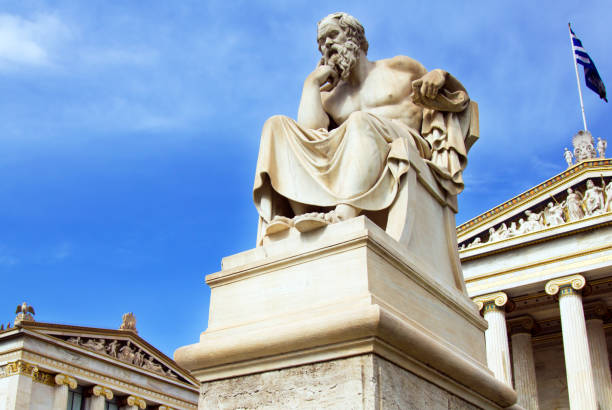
{"points": [[274, 121], [359, 119]]}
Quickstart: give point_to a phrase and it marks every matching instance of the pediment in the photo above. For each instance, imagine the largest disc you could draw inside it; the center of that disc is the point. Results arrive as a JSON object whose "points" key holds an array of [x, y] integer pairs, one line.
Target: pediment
{"points": [[122, 346], [546, 210]]}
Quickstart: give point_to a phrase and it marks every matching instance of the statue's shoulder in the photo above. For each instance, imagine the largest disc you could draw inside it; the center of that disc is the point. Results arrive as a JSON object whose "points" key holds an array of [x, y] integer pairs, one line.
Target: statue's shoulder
{"points": [[404, 64]]}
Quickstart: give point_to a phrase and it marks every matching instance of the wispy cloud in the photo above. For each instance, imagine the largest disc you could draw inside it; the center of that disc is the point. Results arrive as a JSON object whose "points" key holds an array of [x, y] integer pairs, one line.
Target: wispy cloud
{"points": [[29, 42]]}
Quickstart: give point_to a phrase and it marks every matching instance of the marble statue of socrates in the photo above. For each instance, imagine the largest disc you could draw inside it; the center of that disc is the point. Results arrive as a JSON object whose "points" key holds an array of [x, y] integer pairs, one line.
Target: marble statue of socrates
{"points": [[346, 152]]}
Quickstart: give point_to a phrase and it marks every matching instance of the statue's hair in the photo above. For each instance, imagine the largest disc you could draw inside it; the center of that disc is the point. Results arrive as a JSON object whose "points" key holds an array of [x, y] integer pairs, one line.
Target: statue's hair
{"points": [[351, 26]]}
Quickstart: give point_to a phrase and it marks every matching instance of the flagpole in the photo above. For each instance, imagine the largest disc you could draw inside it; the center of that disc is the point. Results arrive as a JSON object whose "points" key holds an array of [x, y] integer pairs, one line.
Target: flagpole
{"points": [[577, 77]]}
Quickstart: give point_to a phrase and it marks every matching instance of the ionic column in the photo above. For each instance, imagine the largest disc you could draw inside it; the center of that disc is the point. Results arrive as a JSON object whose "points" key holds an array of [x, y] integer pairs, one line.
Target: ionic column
{"points": [[522, 360], [62, 383], [496, 336], [598, 350], [99, 395], [580, 385]]}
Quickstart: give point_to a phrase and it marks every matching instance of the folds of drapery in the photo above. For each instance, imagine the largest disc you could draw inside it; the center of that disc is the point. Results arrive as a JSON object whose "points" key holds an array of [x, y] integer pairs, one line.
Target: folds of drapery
{"points": [[360, 163]]}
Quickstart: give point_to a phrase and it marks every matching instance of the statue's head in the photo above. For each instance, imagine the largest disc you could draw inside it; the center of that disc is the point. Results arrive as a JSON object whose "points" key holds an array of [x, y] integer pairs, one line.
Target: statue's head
{"points": [[590, 184], [341, 37], [351, 27]]}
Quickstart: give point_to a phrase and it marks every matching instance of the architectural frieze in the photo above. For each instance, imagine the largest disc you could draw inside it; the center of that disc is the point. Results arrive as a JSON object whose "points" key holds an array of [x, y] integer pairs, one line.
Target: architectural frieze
{"points": [[577, 204], [589, 166], [125, 351]]}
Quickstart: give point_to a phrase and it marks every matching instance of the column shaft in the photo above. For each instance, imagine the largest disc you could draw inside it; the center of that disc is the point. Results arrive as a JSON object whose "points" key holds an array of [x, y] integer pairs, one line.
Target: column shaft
{"points": [[598, 350], [580, 384], [496, 338], [524, 371], [60, 399], [97, 402]]}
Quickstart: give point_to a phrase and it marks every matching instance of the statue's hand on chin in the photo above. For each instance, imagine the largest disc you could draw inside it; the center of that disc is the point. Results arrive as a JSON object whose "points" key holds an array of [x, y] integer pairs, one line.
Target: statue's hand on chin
{"points": [[324, 76]]}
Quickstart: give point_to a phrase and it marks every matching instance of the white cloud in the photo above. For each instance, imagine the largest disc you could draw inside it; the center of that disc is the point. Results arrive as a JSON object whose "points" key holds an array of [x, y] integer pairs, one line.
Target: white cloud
{"points": [[29, 42]]}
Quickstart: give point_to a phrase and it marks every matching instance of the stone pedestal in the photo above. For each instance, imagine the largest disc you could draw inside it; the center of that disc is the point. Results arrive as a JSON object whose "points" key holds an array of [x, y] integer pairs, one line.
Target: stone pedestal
{"points": [[336, 317]]}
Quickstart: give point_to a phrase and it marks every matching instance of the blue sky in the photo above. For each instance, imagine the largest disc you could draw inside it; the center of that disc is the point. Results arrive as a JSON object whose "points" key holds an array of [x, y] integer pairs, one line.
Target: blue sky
{"points": [[129, 132]]}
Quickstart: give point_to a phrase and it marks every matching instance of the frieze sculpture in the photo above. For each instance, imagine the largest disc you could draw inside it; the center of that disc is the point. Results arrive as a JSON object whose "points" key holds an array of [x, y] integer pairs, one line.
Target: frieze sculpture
{"points": [[575, 207], [348, 149], [593, 199], [124, 351]]}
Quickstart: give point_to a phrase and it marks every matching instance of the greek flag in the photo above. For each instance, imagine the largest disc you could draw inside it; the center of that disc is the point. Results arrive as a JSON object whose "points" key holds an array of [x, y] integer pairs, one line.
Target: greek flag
{"points": [[591, 76]]}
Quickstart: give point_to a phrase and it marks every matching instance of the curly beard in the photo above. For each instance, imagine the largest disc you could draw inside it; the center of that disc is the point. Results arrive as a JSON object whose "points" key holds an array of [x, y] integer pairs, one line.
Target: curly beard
{"points": [[342, 58]]}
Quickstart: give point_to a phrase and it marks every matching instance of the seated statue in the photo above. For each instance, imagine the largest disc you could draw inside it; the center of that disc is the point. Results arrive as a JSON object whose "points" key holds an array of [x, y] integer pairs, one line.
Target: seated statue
{"points": [[348, 150]]}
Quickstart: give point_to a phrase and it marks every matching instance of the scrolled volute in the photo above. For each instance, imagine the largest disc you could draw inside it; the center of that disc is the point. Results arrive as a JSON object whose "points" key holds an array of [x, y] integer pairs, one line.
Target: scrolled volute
{"points": [[61, 379], [577, 282], [499, 298]]}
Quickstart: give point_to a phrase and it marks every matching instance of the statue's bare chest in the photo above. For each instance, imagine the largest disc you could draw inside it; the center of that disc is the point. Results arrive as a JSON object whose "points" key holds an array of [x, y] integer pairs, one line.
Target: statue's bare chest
{"points": [[384, 92]]}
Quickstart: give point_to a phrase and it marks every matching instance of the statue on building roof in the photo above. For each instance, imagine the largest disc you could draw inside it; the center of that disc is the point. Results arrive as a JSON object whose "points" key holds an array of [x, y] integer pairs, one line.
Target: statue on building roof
{"points": [[569, 158], [24, 312], [601, 147], [128, 322]]}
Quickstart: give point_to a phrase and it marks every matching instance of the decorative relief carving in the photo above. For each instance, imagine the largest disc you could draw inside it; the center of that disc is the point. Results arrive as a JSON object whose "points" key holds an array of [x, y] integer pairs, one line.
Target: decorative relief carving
{"points": [[27, 369], [583, 146], [596, 200], [498, 299], [124, 351], [575, 282], [61, 379]]}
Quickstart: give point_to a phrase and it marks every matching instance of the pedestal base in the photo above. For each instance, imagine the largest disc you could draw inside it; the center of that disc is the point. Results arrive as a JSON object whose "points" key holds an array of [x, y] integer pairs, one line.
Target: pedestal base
{"points": [[359, 382], [346, 291]]}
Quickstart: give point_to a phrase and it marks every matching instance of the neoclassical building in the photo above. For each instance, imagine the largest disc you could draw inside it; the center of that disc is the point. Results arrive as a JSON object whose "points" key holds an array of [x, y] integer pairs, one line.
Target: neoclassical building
{"points": [[539, 266], [51, 366]]}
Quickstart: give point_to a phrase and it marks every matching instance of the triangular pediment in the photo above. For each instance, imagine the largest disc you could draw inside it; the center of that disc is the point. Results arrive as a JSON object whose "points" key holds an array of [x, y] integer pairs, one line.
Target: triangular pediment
{"points": [[124, 347], [564, 203]]}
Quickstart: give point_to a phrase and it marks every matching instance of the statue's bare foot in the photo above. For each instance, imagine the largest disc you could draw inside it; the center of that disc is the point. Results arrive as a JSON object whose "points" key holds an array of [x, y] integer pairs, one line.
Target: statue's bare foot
{"points": [[278, 224], [344, 212], [310, 221]]}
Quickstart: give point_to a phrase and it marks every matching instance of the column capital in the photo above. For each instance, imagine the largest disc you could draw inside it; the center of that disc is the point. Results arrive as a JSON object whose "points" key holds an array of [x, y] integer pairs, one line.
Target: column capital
{"points": [[495, 300], [570, 284], [102, 391], [596, 310], [164, 407], [521, 324], [136, 401], [61, 379]]}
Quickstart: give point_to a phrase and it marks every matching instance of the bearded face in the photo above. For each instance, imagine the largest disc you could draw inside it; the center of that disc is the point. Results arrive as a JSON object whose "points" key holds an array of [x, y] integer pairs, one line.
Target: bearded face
{"points": [[342, 58], [339, 50]]}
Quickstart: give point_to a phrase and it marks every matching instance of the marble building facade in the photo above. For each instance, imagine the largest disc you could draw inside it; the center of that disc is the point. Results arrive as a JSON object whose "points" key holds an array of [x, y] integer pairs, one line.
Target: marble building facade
{"points": [[51, 366], [539, 267]]}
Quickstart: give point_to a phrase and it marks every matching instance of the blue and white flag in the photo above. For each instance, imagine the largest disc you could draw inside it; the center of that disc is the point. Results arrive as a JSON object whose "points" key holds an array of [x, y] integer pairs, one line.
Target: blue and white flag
{"points": [[591, 76]]}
